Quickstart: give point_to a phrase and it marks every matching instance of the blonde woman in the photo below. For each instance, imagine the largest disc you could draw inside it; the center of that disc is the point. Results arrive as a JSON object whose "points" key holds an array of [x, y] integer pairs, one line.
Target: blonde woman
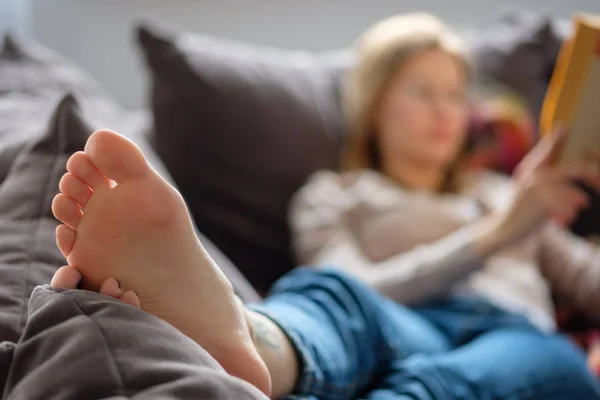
{"points": [[470, 252], [476, 257]]}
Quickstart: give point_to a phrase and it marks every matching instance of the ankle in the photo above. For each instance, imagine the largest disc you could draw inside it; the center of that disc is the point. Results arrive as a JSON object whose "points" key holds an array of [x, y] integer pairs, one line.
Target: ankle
{"points": [[276, 351]]}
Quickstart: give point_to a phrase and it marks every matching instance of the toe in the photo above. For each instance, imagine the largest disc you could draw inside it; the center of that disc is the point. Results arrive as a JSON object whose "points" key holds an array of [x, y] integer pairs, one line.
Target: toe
{"points": [[66, 277], [130, 297], [65, 239], [111, 287], [116, 156], [80, 165], [66, 210], [75, 188]]}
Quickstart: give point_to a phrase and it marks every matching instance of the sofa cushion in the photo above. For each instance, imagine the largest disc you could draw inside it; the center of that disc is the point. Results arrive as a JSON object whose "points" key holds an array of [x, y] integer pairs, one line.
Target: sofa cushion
{"points": [[240, 127], [519, 52], [28, 252], [32, 81]]}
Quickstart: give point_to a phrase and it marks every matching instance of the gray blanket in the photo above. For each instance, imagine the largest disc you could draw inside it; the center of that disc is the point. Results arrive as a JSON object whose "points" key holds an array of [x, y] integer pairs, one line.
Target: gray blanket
{"points": [[81, 345]]}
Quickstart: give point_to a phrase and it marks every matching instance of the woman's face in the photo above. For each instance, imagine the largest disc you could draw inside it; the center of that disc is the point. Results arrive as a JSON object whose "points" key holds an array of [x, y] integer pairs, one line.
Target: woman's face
{"points": [[423, 114]]}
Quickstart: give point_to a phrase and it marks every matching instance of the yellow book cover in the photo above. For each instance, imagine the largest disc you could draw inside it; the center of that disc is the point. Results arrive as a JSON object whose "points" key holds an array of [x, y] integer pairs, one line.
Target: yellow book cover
{"points": [[573, 97]]}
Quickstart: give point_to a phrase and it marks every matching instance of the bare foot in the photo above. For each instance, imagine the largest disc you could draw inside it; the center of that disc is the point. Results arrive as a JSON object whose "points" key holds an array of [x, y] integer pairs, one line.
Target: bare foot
{"points": [[68, 277], [122, 220]]}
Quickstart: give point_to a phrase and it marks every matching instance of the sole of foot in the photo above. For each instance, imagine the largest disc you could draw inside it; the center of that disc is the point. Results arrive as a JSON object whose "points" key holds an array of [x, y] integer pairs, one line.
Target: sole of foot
{"points": [[122, 220]]}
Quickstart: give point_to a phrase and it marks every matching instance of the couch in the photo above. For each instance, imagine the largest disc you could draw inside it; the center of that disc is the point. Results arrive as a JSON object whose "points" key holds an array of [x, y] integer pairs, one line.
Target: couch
{"points": [[237, 128]]}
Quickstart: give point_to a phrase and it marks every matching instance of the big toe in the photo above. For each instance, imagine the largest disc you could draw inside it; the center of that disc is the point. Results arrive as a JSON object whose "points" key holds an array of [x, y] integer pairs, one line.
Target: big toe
{"points": [[116, 156]]}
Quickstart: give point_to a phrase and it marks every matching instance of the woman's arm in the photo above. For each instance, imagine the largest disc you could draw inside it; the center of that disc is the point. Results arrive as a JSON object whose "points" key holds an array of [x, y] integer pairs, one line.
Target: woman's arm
{"points": [[421, 273], [572, 265], [323, 236]]}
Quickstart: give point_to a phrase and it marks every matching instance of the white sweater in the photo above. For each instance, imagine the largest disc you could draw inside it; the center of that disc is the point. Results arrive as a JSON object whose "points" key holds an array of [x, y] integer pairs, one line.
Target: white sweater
{"points": [[358, 221]]}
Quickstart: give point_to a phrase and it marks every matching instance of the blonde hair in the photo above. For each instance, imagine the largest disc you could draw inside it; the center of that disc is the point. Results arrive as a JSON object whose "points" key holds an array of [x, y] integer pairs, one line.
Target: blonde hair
{"points": [[380, 52]]}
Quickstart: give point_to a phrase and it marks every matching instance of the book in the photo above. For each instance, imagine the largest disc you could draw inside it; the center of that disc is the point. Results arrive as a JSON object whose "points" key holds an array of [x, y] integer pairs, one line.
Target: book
{"points": [[573, 96], [573, 101]]}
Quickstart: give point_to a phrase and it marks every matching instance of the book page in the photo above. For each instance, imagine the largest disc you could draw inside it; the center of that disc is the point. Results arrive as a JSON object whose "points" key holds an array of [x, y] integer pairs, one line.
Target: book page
{"points": [[584, 132]]}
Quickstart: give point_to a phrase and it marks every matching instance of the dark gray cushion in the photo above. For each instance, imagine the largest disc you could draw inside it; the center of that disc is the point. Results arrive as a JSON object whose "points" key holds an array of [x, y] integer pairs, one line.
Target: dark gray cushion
{"points": [[520, 52], [240, 127], [28, 252], [32, 81]]}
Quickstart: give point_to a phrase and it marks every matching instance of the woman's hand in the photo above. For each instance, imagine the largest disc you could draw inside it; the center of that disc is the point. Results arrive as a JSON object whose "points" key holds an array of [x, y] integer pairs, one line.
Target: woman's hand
{"points": [[545, 191], [593, 360]]}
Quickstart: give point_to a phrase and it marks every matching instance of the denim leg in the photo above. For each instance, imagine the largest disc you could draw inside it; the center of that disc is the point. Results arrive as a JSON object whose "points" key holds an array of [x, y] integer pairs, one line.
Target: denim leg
{"points": [[464, 318], [508, 364], [345, 333]]}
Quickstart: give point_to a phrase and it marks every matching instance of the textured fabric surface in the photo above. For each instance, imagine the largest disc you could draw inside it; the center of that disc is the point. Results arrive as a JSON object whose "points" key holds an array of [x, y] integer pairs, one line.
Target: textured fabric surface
{"points": [[81, 345], [240, 127], [519, 52], [28, 252]]}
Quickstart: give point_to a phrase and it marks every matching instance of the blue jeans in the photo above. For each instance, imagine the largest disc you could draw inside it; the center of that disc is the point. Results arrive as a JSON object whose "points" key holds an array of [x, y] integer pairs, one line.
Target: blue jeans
{"points": [[353, 343]]}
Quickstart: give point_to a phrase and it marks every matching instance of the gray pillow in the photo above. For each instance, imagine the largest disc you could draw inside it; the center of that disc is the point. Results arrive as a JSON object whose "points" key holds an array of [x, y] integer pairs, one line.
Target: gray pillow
{"points": [[32, 81], [520, 52], [240, 127], [28, 252]]}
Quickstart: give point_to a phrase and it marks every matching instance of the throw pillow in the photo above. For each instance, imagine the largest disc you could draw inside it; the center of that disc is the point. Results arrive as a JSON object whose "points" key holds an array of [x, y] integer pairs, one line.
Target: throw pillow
{"points": [[28, 252], [32, 80], [240, 127], [520, 52]]}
